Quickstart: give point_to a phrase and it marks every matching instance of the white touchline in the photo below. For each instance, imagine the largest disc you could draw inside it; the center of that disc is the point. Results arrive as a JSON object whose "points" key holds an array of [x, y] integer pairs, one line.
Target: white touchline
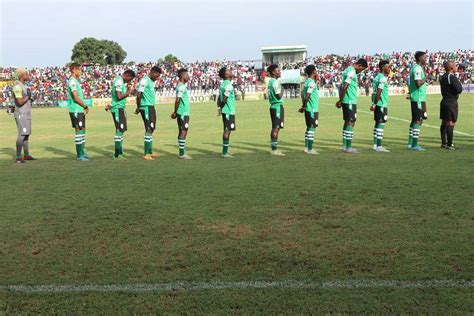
{"points": [[408, 121], [194, 286]]}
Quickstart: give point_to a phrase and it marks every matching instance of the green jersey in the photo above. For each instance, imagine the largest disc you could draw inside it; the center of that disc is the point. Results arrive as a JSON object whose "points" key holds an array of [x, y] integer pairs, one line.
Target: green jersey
{"points": [[312, 88], [227, 89], [74, 85], [380, 82], [274, 88], [118, 86], [350, 76], [147, 88], [182, 93], [417, 94]]}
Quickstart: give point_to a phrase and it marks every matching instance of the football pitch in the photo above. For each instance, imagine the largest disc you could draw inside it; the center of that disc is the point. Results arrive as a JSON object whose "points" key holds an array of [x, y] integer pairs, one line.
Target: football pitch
{"points": [[331, 233]]}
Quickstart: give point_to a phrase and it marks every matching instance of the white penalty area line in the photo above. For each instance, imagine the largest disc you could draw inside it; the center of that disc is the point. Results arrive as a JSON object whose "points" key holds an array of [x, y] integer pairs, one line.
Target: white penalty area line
{"points": [[196, 286], [408, 121]]}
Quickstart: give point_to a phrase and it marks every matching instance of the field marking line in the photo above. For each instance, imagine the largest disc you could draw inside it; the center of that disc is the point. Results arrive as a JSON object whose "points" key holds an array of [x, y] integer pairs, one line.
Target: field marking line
{"points": [[195, 286], [407, 121]]}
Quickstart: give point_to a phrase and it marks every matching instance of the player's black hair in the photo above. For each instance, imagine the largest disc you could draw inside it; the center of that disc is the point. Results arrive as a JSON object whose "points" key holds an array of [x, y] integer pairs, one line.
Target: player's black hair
{"points": [[156, 69], [418, 55], [362, 62], [222, 72], [271, 68], [309, 70], [382, 63], [181, 71], [129, 72], [74, 66]]}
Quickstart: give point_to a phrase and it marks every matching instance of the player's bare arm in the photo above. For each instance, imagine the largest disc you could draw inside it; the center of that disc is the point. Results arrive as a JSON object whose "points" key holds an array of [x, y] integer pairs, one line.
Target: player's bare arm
{"points": [[222, 103], [79, 101], [305, 103], [279, 95], [121, 96], [22, 101], [139, 101], [176, 105], [342, 93], [377, 98]]}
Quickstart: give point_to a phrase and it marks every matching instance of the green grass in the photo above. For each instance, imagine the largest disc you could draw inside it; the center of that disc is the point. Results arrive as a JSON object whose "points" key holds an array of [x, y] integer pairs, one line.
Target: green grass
{"points": [[398, 216]]}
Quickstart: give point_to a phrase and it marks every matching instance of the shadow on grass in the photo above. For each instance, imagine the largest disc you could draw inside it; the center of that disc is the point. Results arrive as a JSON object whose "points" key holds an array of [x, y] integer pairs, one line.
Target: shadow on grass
{"points": [[202, 151], [7, 151], [290, 147], [126, 151], [60, 152], [255, 148], [298, 146], [100, 151], [158, 150]]}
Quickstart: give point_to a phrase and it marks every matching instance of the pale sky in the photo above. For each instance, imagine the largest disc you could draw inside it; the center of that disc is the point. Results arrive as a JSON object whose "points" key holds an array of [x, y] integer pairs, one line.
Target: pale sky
{"points": [[43, 32]]}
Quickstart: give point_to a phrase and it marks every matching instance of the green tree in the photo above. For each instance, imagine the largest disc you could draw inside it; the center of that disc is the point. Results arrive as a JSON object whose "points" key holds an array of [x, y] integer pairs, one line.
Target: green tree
{"points": [[168, 59], [94, 51]]}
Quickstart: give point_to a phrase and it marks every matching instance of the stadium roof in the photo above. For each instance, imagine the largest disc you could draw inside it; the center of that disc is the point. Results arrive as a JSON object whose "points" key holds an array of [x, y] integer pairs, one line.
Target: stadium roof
{"points": [[284, 49]]}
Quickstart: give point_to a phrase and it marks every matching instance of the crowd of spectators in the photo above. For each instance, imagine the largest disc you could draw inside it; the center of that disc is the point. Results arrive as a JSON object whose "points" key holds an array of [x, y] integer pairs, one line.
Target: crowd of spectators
{"points": [[330, 67], [49, 84]]}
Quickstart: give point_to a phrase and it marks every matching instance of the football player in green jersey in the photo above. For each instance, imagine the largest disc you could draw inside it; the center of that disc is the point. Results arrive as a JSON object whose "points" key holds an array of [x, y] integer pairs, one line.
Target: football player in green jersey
{"points": [[226, 108], [418, 100], [277, 112], [380, 104], [182, 112], [121, 89], [77, 110], [310, 107], [146, 107], [348, 102]]}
